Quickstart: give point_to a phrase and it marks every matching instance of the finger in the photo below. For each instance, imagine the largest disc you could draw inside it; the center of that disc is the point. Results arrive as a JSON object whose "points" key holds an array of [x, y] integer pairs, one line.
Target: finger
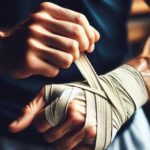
{"points": [[29, 113], [71, 140], [58, 58], [68, 29], [78, 18], [76, 110], [74, 138], [35, 64], [57, 132], [97, 37], [91, 48], [68, 15], [44, 68], [41, 123], [97, 34], [55, 41], [72, 122], [64, 28]]}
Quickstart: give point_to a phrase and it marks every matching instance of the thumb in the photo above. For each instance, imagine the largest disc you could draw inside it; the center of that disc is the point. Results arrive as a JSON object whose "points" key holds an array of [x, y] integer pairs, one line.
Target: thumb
{"points": [[29, 113]]}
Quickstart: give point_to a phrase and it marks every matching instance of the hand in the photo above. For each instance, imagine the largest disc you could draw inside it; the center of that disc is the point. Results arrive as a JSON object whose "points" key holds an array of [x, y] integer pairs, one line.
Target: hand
{"points": [[68, 135], [50, 39]]}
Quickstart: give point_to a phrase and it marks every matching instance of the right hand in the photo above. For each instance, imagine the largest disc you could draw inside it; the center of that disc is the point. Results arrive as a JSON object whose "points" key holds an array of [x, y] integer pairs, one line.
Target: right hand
{"points": [[50, 39]]}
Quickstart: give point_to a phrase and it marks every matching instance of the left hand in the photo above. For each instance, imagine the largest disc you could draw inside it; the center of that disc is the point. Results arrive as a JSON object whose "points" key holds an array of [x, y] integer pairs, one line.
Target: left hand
{"points": [[69, 135]]}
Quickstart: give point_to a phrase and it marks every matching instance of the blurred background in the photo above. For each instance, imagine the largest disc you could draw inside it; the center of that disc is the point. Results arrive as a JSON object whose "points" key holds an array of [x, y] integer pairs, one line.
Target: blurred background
{"points": [[139, 24]]}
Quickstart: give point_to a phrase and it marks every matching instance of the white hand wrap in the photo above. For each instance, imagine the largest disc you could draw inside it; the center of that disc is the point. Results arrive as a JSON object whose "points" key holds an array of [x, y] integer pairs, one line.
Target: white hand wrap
{"points": [[110, 99]]}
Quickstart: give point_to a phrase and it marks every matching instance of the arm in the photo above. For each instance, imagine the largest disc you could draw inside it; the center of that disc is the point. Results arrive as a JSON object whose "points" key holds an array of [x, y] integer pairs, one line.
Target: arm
{"points": [[71, 133]]}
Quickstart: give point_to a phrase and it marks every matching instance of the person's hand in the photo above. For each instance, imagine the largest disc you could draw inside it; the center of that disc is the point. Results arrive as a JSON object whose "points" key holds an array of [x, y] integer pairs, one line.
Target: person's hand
{"points": [[50, 39], [68, 135]]}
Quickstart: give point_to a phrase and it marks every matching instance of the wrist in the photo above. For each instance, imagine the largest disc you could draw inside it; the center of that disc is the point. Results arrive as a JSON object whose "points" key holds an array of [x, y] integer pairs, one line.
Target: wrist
{"points": [[141, 65]]}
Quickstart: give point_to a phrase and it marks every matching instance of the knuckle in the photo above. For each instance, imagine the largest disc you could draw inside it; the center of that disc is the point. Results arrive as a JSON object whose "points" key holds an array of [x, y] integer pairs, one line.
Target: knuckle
{"points": [[67, 61], [54, 73], [91, 37], [74, 46], [90, 132], [74, 49], [74, 114], [85, 45], [31, 30], [35, 17], [72, 107], [79, 34], [81, 19], [30, 62], [45, 5], [29, 45], [77, 30], [76, 118]]}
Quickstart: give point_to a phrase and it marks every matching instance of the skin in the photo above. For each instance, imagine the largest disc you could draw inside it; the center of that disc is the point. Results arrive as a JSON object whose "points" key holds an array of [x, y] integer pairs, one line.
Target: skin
{"points": [[70, 135], [50, 39]]}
